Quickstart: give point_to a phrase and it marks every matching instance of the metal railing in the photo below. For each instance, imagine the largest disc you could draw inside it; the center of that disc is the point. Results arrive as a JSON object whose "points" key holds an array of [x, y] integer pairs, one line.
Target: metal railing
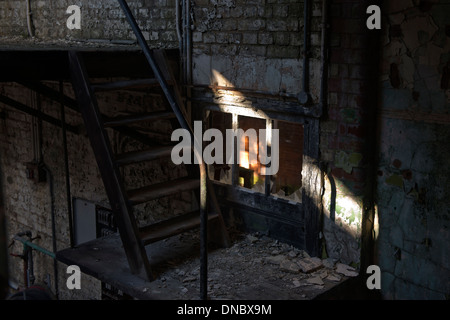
{"points": [[185, 125]]}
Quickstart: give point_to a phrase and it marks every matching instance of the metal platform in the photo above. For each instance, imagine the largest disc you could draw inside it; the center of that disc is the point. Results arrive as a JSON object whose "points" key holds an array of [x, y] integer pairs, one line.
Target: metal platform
{"points": [[105, 259], [49, 61]]}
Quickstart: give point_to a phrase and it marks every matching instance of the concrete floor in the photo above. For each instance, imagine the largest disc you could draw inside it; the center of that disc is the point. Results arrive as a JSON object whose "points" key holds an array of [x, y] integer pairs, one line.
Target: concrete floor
{"points": [[254, 267]]}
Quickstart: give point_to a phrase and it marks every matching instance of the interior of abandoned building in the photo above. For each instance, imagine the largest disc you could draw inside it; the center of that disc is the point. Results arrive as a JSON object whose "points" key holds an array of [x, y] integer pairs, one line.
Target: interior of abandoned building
{"points": [[87, 119]]}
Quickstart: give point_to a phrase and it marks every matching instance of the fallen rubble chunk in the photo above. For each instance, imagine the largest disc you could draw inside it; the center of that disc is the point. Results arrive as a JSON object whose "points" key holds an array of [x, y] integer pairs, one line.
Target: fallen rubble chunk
{"points": [[346, 270], [276, 259], [315, 280], [289, 266], [252, 239], [328, 263], [334, 277], [308, 265], [297, 283], [190, 279], [304, 254]]}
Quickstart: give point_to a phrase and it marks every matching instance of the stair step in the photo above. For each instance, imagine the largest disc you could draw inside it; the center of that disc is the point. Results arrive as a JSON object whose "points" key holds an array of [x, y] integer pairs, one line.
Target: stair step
{"points": [[141, 156], [136, 118], [160, 190], [125, 84], [171, 227]]}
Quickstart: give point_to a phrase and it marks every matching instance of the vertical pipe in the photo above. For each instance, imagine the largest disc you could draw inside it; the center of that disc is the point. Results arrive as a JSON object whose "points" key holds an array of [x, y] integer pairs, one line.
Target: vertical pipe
{"points": [[3, 247], [322, 104], [179, 26], [177, 23], [66, 164], [25, 265], [30, 271], [188, 42], [39, 129], [306, 40], [183, 43], [324, 56], [53, 222], [203, 238], [188, 37], [29, 20], [235, 164], [304, 96], [267, 178], [34, 129]]}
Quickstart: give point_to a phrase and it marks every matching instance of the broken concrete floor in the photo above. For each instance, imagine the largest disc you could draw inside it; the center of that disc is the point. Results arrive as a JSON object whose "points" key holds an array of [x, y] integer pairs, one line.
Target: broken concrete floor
{"points": [[254, 267]]}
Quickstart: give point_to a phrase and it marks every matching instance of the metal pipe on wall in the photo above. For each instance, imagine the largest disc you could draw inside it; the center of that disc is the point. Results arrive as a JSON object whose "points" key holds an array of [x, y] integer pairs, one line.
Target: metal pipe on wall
{"points": [[3, 248], [29, 19], [304, 96], [19, 237], [40, 142], [324, 56], [66, 163], [177, 23], [323, 104], [183, 41], [187, 47], [53, 225], [187, 55], [188, 42]]}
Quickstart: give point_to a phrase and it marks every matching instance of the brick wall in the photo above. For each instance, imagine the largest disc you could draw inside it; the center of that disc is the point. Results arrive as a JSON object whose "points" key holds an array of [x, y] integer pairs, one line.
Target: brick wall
{"points": [[254, 44], [347, 128], [28, 205], [99, 20]]}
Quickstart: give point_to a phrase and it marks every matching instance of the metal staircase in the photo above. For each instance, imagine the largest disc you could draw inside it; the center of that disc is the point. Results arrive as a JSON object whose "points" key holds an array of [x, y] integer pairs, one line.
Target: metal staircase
{"points": [[122, 201]]}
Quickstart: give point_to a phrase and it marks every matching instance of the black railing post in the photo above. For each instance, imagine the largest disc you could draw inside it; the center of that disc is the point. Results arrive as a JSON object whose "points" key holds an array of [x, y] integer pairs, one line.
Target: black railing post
{"points": [[197, 153]]}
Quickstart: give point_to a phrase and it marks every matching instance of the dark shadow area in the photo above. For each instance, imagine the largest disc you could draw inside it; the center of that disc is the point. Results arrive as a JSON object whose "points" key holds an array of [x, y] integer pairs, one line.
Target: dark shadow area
{"points": [[351, 289]]}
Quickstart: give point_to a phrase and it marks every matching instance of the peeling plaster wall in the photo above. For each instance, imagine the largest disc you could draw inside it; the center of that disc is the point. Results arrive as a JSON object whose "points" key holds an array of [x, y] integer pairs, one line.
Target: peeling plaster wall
{"points": [[412, 193]]}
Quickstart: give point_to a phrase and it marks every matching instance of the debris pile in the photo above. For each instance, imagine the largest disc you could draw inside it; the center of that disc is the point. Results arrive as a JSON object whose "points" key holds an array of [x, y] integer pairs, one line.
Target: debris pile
{"points": [[258, 267]]}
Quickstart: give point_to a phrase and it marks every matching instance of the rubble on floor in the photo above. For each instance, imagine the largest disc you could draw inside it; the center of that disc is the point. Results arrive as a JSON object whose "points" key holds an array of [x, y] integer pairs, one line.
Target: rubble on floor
{"points": [[256, 267]]}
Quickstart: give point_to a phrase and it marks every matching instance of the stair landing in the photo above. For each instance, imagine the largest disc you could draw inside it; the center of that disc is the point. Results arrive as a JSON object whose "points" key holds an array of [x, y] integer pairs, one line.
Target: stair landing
{"points": [[105, 259], [241, 272]]}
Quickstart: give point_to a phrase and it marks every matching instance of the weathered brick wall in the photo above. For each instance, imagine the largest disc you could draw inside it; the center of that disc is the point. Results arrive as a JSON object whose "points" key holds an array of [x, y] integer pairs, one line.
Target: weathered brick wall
{"points": [[412, 193], [101, 19], [345, 130], [258, 45], [28, 205], [254, 44]]}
